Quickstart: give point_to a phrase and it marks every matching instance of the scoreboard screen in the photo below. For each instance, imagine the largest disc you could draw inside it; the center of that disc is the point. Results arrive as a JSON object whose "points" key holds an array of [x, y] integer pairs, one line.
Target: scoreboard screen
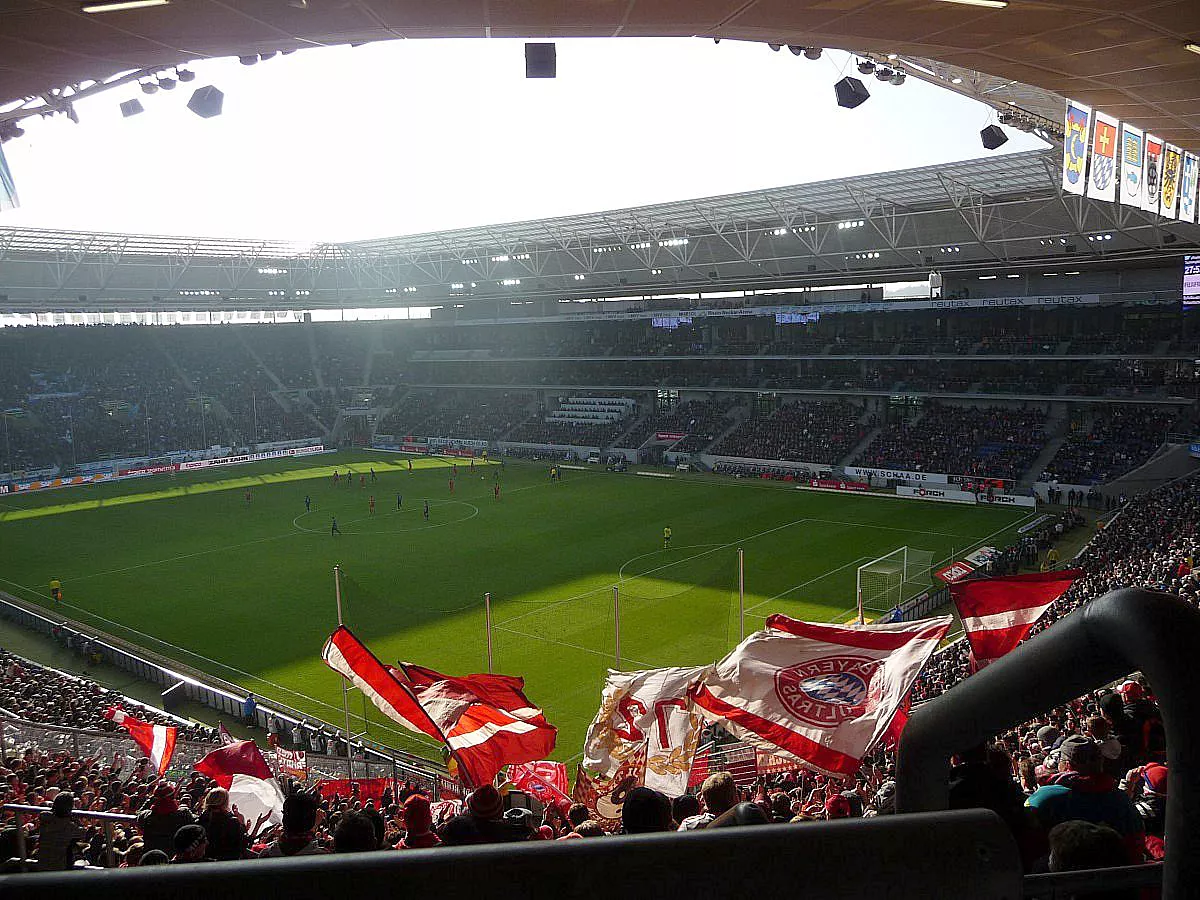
{"points": [[1191, 278]]}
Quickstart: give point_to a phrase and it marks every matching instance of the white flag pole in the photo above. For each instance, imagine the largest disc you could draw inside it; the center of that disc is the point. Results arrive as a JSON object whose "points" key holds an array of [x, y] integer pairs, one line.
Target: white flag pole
{"points": [[741, 595], [337, 593], [487, 624], [617, 623]]}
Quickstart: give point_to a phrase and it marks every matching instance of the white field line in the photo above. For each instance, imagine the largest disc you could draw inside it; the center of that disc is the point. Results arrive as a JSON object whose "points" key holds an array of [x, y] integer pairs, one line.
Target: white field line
{"points": [[669, 565]]}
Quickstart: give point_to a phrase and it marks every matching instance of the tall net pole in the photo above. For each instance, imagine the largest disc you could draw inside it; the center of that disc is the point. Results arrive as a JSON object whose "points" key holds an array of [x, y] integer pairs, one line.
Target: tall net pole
{"points": [[337, 593], [741, 595], [617, 623], [487, 620]]}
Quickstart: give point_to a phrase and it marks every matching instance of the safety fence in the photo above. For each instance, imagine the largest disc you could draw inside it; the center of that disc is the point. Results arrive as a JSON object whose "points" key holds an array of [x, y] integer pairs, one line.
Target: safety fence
{"points": [[17, 735]]}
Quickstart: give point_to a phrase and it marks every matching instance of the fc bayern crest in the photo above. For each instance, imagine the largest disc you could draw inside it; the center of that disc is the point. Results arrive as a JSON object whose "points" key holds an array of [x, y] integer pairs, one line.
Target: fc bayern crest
{"points": [[826, 691]]}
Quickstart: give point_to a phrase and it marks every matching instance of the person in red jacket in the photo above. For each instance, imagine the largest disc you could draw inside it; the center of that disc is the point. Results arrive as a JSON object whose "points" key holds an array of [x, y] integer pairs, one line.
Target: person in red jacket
{"points": [[418, 825]]}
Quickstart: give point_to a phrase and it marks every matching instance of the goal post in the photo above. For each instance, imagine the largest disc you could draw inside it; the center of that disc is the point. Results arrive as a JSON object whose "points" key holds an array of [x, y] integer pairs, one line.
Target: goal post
{"points": [[884, 583]]}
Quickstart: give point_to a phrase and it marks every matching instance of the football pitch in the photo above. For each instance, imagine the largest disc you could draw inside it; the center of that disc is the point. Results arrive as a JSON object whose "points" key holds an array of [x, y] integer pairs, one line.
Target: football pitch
{"points": [[185, 566]]}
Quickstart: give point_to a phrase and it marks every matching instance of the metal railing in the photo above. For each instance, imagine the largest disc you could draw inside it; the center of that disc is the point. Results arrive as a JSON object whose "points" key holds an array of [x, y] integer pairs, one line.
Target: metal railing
{"points": [[108, 820]]}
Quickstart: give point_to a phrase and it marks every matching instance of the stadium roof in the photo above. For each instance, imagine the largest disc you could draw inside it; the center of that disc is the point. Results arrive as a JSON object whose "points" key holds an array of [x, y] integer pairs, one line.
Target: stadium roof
{"points": [[1126, 57], [893, 226]]}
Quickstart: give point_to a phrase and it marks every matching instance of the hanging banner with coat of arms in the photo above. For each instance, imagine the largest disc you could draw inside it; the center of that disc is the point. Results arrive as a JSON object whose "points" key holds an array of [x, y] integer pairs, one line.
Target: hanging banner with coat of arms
{"points": [[1075, 147], [1169, 194], [1102, 179], [1133, 164], [1188, 182], [1154, 161]]}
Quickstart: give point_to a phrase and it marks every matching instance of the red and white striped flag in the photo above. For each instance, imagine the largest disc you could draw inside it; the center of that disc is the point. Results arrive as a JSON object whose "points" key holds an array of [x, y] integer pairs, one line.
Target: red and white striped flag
{"points": [[156, 741], [997, 613], [350, 658], [487, 720], [823, 695]]}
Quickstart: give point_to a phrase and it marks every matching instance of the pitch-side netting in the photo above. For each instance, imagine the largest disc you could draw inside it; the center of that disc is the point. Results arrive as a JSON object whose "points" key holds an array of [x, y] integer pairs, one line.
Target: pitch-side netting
{"points": [[668, 607], [886, 582]]}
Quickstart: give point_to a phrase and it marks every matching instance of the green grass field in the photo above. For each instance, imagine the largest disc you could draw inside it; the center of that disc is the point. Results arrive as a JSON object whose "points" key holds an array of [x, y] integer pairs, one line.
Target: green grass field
{"points": [[184, 566]]}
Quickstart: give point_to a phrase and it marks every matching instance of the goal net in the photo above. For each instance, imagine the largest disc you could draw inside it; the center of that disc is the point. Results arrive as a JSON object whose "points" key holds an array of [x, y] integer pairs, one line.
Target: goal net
{"points": [[886, 582]]}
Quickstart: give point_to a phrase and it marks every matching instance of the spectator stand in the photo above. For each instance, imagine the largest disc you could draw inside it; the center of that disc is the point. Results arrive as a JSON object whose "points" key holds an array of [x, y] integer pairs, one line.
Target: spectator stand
{"points": [[370, 758]]}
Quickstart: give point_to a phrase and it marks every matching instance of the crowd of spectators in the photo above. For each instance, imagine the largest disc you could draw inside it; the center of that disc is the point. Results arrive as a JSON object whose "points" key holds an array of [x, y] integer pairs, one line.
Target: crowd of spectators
{"points": [[818, 431], [477, 416], [700, 421], [996, 442], [44, 695], [539, 430], [1113, 444]]}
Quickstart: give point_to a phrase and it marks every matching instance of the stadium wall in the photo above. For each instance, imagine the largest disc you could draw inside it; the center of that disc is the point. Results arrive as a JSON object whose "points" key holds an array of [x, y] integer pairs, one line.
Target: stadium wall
{"points": [[808, 468], [578, 450]]}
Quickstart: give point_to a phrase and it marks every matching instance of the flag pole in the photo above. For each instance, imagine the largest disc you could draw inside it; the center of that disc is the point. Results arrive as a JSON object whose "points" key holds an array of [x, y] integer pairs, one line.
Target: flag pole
{"points": [[741, 595], [337, 593], [487, 620], [617, 622]]}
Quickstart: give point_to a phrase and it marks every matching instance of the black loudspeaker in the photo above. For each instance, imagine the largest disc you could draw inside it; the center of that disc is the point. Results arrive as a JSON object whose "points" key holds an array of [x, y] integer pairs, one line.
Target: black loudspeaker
{"points": [[541, 61], [993, 136], [131, 108], [850, 92], [206, 102]]}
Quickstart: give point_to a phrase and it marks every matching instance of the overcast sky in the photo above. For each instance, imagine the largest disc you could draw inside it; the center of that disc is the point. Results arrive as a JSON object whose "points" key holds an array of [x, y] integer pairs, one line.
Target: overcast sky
{"points": [[410, 136]]}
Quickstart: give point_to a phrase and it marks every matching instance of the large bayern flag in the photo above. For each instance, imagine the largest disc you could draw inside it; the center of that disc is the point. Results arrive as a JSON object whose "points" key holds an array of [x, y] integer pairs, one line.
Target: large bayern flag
{"points": [[647, 710], [240, 769], [156, 741], [1102, 177], [823, 695], [487, 720], [997, 613], [1133, 165], [1077, 128]]}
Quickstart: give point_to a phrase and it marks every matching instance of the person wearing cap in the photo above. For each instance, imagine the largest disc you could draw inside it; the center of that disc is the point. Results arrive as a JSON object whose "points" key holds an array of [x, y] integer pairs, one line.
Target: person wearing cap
{"points": [[58, 835], [837, 807], [486, 808], [163, 819], [1147, 727], [1082, 791], [646, 811], [1148, 787], [190, 844], [418, 824]]}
